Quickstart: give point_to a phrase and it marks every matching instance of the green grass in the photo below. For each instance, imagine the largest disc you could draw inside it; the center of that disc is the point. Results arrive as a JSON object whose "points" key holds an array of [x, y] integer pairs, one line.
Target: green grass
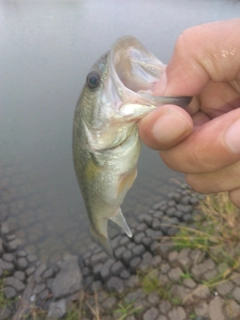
{"points": [[126, 309], [216, 234]]}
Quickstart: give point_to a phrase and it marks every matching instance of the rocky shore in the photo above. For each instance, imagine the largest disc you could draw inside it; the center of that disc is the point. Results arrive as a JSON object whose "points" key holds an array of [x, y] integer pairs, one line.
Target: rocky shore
{"points": [[149, 278]]}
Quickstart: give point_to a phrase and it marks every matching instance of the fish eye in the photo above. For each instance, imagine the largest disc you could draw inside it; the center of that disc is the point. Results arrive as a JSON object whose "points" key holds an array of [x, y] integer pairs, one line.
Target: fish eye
{"points": [[93, 79]]}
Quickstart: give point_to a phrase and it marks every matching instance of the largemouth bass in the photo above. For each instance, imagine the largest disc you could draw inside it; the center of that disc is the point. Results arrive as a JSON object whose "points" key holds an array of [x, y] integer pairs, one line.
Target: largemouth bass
{"points": [[106, 147]]}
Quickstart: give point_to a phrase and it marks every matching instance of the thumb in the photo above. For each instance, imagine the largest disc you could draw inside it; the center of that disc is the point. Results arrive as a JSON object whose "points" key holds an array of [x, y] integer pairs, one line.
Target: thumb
{"points": [[202, 53]]}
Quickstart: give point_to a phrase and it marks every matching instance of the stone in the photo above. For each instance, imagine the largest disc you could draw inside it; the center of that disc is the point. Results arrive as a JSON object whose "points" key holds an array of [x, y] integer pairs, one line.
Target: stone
{"points": [[182, 293], [124, 241], [8, 257], [172, 231], [118, 252], [209, 275], [125, 274], [117, 267], [134, 296], [197, 256], [201, 309], [175, 274], [187, 217], [200, 269], [177, 313], [146, 261], [97, 269], [69, 278], [20, 275], [1, 246], [127, 256], [236, 278], [115, 284], [155, 248], [164, 306], [164, 249], [189, 283], [138, 250], [134, 263], [215, 309], [39, 288], [158, 214], [185, 200], [39, 271], [48, 273], [100, 257], [225, 288], [21, 253], [11, 237], [9, 292], [115, 242], [146, 241], [57, 309], [132, 281], [146, 218], [155, 261], [44, 295], [15, 283], [96, 286], [30, 271], [137, 238], [150, 314], [109, 303], [130, 245], [163, 280], [31, 258], [141, 227], [236, 294], [156, 224], [173, 258], [232, 310], [153, 299], [22, 263], [171, 211], [13, 245], [6, 266], [105, 270], [5, 313], [202, 292], [165, 267], [161, 317], [184, 258]]}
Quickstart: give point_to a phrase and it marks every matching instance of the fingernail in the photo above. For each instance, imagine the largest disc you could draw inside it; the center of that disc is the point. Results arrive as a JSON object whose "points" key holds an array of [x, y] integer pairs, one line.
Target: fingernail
{"points": [[161, 85], [232, 135], [169, 127]]}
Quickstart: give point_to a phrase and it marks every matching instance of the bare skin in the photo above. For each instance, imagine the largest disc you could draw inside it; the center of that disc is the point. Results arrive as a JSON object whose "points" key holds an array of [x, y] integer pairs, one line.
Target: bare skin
{"points": [[204, 142]]}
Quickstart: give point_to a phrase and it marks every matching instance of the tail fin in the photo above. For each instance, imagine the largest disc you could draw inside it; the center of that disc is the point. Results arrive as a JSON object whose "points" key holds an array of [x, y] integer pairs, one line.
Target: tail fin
{"points": [[102, 238]]}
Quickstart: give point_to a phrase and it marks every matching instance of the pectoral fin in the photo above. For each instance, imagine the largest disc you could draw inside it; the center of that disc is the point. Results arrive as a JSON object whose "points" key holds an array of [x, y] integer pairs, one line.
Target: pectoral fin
{"points": [[119, 219]]}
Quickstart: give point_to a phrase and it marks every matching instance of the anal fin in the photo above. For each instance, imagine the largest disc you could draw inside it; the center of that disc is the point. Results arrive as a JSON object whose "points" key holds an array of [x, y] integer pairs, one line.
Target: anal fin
{"points": [[119, 219]]}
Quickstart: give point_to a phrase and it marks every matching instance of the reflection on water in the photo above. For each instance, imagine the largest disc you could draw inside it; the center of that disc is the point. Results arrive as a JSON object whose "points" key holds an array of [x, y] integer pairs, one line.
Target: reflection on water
{"points": [[46, 51]]}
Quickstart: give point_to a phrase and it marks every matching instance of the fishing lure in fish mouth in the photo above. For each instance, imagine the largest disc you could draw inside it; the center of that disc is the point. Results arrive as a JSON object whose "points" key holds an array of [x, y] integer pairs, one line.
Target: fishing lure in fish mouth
{"points": [[106, 146]]}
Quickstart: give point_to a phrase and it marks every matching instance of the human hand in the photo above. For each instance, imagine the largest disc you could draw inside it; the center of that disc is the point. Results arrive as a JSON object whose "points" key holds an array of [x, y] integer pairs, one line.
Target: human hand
{"points": [[204, 142]]}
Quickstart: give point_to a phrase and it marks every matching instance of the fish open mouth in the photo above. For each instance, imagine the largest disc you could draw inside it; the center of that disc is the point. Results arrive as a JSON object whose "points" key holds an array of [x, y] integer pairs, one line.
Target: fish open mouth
{"points": [[136, 71]]}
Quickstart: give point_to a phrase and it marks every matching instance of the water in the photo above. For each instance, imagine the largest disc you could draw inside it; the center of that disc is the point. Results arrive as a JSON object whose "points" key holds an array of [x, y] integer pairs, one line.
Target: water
{"points": [[47, 48]]}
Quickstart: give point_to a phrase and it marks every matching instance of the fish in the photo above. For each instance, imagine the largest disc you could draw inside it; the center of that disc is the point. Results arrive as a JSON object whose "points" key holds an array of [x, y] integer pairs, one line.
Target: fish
{"points": [[106, 147]]}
